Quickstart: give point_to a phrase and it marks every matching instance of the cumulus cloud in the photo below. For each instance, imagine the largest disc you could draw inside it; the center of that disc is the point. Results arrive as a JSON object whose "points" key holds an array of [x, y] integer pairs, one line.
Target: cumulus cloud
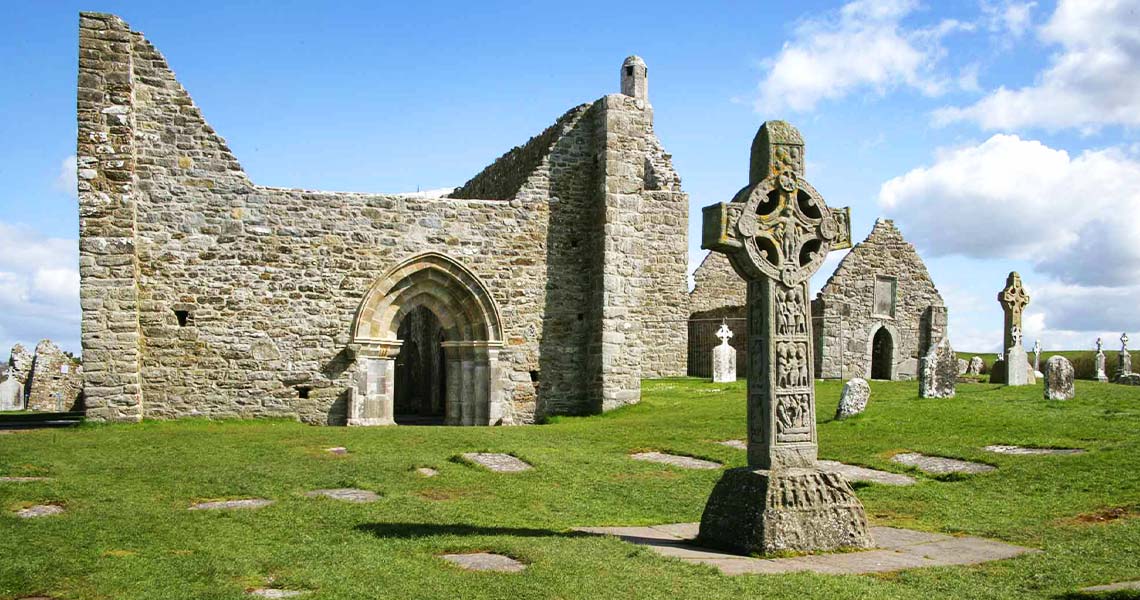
{"points": [[861, 46], [39, 289], [1092, 81], [1008, 17], [67, 180], [1012, 198]]}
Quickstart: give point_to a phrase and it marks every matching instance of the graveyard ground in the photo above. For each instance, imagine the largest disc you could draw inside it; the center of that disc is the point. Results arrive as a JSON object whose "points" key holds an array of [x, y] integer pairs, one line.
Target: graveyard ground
{"points": [[126, 531]]}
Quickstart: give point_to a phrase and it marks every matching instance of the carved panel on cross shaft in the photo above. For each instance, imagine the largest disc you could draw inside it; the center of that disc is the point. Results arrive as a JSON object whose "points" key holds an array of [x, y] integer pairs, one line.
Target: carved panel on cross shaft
{"points": [[793, 417], [792, 365], [791, 311]]}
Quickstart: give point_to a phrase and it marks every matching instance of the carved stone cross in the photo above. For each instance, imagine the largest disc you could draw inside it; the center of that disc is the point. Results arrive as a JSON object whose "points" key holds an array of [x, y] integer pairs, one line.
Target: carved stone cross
{"points": [[1099, 346], [724, 333], [776, 232], [1013, 300], [1124, 342]]}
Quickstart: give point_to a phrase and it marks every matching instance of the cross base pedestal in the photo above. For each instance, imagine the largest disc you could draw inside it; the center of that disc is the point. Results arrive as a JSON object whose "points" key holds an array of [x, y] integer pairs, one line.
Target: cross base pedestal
{"points": [[755, 511]]}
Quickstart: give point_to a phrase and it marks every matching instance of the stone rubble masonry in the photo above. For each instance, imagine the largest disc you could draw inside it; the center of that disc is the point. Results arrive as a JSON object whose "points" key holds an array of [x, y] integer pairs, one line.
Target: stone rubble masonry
{"points": [[20, 363], [844, 318], [56, 381], [718, 293], [206, 294]]}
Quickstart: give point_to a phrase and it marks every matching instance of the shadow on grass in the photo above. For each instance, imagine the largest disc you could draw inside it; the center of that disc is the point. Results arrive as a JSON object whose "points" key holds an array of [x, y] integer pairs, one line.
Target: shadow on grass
{"points": [[424, 530], [1117, 595]]}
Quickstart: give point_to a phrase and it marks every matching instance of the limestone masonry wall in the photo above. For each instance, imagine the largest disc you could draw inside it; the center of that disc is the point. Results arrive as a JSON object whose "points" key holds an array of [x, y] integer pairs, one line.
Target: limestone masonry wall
{"points": [[205, 294]]}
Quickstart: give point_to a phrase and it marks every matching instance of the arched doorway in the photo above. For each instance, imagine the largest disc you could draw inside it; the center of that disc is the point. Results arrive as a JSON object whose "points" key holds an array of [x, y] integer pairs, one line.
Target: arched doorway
{"points": [[420, 370], [426, 338], [882, 355]]}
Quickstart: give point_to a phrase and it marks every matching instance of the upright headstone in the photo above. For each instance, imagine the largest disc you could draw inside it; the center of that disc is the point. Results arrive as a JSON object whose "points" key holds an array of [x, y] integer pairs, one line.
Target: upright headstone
{"points": [[1037, 358], [853, 400], [938, 372], [976, 366], [963, 366], [776, 233], [1015, 370], [1058, 378], [1124, 359], [724, 357], [11, 394], [1101, 373]]}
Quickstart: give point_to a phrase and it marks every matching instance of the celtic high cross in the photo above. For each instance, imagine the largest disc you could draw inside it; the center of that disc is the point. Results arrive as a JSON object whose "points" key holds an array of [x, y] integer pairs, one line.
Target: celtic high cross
{"points": [[776, 233], [1013, 300]]}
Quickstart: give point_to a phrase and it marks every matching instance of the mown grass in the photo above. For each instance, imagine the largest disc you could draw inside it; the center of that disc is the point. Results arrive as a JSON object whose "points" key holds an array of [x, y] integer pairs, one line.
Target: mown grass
{"points": [[127, 534]]}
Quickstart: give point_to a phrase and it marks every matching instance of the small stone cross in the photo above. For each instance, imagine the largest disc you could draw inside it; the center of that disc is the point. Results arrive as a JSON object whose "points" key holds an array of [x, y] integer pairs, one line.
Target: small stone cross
{"points": [[776, 232], [1015, 335], [1099, 346], [724, 333], [1124, 342]]}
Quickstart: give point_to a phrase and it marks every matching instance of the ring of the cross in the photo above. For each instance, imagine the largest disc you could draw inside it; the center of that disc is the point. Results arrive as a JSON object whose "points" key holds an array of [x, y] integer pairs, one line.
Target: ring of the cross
{"points": [[786, 232]]}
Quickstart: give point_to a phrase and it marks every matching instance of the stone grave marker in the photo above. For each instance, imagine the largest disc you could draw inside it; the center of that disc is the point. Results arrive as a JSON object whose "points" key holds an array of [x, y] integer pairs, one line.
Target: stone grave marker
{"points": [[724, 357], [484, 561], [776, 232], [938, 465], [1059, 377], [676, 460], [231, 504], [1101, 373], [976, 366], [1018, 450], [963, 366], [938, 372], [346, 495], [1015, 370], [40, 510], [853, 400], [1123, 359], [1037, 358], [499, 463], [11, 394]]}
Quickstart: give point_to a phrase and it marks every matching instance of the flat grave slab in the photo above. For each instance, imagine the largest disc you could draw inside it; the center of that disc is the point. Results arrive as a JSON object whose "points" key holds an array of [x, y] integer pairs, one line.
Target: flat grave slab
{"points": [[23, 479], [276, 593], [346, 495], [337, 450], [938, 465], [484, 561], [684, 462], [1002, 449], [895, 550], [231, 504], [1113, 587], [856, 473], [499, 463], [738, 444], [427, 471], [39, 510]]}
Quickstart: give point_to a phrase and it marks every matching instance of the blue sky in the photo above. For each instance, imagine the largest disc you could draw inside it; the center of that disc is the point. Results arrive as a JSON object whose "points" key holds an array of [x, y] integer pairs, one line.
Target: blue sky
{"points": [[999, 134]]}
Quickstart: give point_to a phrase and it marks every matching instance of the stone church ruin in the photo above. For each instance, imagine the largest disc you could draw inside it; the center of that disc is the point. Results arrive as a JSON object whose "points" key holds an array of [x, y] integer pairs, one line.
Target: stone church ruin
{"points": [[550, 283]]}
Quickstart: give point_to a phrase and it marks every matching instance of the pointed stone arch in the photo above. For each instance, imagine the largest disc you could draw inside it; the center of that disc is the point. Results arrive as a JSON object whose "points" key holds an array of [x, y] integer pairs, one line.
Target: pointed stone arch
{"points": [[883, 364], [472, 329]]}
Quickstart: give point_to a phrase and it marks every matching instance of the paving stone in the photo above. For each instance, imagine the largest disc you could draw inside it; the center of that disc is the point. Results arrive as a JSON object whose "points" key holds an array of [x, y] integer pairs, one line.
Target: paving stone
{"points": [[39, 510], [738, 444], [346, 494], [855, 473], [999, 449], [684, 462], [500, 463], [230, 504], [23, 479], [339, 450], [1113, 587], [895, 550], [938, 465], [485, 561], [277, 593], [427, 471]]}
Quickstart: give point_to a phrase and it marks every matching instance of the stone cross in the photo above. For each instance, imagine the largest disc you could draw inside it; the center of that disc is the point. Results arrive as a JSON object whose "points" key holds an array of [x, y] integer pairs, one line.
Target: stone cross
{"points": [[776, 232], [1037, 355], [1013, 300], [1124, 342], [724, 333], [1099, 345]]}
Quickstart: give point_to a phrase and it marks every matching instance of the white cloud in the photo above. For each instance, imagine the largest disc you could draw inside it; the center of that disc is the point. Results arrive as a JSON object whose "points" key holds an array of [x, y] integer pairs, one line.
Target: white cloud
{"points": [[1094, 80], [1008, 16], [39, 289], [862, 46], [1011, 198], [67, 180]]}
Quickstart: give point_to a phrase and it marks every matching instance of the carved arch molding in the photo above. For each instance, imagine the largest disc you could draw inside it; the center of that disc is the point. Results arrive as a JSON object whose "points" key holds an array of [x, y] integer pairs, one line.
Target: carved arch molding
{"points": [[472, 329]]}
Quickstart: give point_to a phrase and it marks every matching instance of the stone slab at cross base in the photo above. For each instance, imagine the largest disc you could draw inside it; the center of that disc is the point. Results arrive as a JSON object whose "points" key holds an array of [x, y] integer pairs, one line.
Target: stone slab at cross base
{"points": [[724, 364], [1018, 371], [756, 511]]}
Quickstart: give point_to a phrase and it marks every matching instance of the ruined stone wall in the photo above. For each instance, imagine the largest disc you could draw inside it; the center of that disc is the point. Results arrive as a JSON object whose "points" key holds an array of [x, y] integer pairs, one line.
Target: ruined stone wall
{"points": [[205, 294], [845, 317], [56, 380], [716, 285]]}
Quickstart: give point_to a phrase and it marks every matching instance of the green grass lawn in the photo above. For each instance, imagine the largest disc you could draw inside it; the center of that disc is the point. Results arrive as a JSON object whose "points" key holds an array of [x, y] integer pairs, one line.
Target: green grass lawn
{"points": [[127, 533]]}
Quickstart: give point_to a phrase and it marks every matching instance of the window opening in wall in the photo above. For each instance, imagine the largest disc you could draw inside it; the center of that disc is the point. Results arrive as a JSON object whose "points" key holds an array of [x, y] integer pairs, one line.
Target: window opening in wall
{"points": [[534, 376], [629, 71], [183, 317], [581, 316], [303, 391]]}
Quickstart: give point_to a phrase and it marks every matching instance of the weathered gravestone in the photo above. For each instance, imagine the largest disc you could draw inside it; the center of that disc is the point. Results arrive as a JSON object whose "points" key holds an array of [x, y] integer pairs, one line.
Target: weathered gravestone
{"points": [[938, 371], [963, 366], [1037, 358], [776, 233], [1101, 374], [853, 400], [1059, 376], [1015, 370], [11, 394], [1124, 359], [724, 357], [976, 366]]}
